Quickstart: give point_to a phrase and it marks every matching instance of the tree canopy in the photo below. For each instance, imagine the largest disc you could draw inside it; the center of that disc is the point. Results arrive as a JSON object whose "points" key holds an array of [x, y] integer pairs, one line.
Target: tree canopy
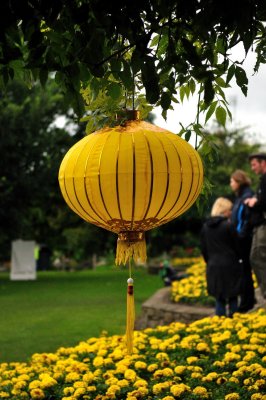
{"points": [[170, 49]]}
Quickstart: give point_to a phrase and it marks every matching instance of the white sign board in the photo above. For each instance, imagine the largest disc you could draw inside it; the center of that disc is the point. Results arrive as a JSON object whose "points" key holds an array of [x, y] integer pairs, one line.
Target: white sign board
{"points": [[23, 263]]}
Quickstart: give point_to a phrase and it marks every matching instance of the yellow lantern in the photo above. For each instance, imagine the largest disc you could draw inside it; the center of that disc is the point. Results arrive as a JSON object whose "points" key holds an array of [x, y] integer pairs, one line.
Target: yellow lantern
{"points": [[129, 179]]}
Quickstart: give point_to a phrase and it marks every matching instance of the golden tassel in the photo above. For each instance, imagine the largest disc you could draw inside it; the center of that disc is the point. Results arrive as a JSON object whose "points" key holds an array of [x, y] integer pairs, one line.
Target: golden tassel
{"points": [[131, 244], [130, 316]]}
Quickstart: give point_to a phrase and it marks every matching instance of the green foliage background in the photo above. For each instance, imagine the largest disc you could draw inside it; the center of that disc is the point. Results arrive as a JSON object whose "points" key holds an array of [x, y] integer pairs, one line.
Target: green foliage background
{"points": [[31, 204]]}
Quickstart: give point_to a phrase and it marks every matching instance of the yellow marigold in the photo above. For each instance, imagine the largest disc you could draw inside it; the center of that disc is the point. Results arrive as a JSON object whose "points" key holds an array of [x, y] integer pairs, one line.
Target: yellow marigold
{"points": [[230, 356], [202, 346], [140, 365], [24, 395], [152, 367], [16, 392], [123, 383], [141, 392], [91, 388], [233, 379], [232, 396], [191, 360], [221, 380], [23, 377], [263, 372], [72, 377], [79, 392], [210, 377], [20, 385], [4, 395], [48, 382], [68, 390], [140, 383], [248, 381], [180, 369], [158, 388], [162, 356], [257, 396], [98, 361], [88, 377], [219, 364], [200, 391], [179, 389], [130, 374], [260, 382], [168, 398], [80, 384], [37, 394], [137, 394], [111, 381], [196, 375], [167, 372], [34, 384], [241, 364], [113, 389]]}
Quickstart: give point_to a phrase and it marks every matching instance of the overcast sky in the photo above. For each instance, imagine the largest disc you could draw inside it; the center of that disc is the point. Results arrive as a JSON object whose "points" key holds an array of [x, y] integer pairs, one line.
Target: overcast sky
{"points": [[247, 111]]}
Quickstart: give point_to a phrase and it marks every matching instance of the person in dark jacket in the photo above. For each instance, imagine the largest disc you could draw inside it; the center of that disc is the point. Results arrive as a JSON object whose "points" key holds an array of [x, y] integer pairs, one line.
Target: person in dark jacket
{"points": [[240, 185], [258, 217], [219, 249]]}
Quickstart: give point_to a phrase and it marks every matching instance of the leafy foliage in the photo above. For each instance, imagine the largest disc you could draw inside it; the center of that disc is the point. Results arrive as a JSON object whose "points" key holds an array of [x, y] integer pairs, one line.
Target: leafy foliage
{"points": [[171, 49]]}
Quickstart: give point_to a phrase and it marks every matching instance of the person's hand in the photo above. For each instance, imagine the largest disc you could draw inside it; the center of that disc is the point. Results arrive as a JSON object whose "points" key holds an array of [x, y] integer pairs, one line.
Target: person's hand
{"points": [[251, 201]]}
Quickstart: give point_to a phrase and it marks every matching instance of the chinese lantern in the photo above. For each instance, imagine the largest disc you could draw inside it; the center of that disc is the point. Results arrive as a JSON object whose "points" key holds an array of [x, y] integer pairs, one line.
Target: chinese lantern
{"points": [[129, 179]]}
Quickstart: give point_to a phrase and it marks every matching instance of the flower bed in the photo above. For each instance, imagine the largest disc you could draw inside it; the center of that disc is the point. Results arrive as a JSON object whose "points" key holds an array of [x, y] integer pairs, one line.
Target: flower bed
{"points": [[193, 289], [213, 358]]}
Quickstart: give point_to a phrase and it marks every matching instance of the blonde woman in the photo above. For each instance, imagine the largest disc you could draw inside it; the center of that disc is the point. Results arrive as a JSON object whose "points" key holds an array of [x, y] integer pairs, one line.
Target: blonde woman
{"points": [[219, 249]]}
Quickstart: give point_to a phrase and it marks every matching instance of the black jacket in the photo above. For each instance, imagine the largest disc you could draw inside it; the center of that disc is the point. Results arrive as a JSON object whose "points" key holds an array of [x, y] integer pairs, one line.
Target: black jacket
{"points": [[241, 213], [219, 249], [258, 212]]}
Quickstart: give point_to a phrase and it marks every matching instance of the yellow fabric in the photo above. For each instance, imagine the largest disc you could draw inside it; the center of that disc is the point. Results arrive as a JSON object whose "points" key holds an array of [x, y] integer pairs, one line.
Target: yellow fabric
{"points": [[127, 250], [132, 177], [130, 318]]}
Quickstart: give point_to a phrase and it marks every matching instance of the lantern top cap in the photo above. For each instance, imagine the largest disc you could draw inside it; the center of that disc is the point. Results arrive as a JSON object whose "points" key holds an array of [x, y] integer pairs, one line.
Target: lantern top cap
{"points": [[133, 115], [129, 115]]}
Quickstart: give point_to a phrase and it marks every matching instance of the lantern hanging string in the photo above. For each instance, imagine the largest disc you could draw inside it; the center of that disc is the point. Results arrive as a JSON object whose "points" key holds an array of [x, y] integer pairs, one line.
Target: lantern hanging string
{"points": [[133, 93], [130, 312]]}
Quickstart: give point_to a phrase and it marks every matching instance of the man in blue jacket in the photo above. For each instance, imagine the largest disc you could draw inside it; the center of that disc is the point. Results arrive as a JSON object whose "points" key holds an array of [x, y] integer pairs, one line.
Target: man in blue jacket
{"points": [[258, 220]]}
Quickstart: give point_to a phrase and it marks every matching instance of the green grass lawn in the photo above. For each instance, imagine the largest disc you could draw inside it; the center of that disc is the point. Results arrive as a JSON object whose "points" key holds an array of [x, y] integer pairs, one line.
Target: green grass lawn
{"points": [[64, 308]]}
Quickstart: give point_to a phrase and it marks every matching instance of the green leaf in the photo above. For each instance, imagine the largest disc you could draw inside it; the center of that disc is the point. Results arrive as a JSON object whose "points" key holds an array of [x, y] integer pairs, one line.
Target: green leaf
{"points": [[211, 110], [241, 79], [198, 129], [114, 90], [136, 61], [220, 81], [43, 75], [188, 135], [208, 91], [230, 73], [150, 80], [165, 100], [192, 86], [182, 93], [126, 76], [221, 115], [155, 40]]}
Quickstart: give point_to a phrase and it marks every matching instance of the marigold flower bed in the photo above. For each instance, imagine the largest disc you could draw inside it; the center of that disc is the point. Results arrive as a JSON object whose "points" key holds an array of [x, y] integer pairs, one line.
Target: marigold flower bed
{"points": [[193, 288], [213, 358]]}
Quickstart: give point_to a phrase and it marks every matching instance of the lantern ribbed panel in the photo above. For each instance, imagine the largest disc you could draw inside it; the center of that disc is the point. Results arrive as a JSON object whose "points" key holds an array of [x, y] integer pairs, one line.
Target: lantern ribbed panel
{"points": [[131, 178]]}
